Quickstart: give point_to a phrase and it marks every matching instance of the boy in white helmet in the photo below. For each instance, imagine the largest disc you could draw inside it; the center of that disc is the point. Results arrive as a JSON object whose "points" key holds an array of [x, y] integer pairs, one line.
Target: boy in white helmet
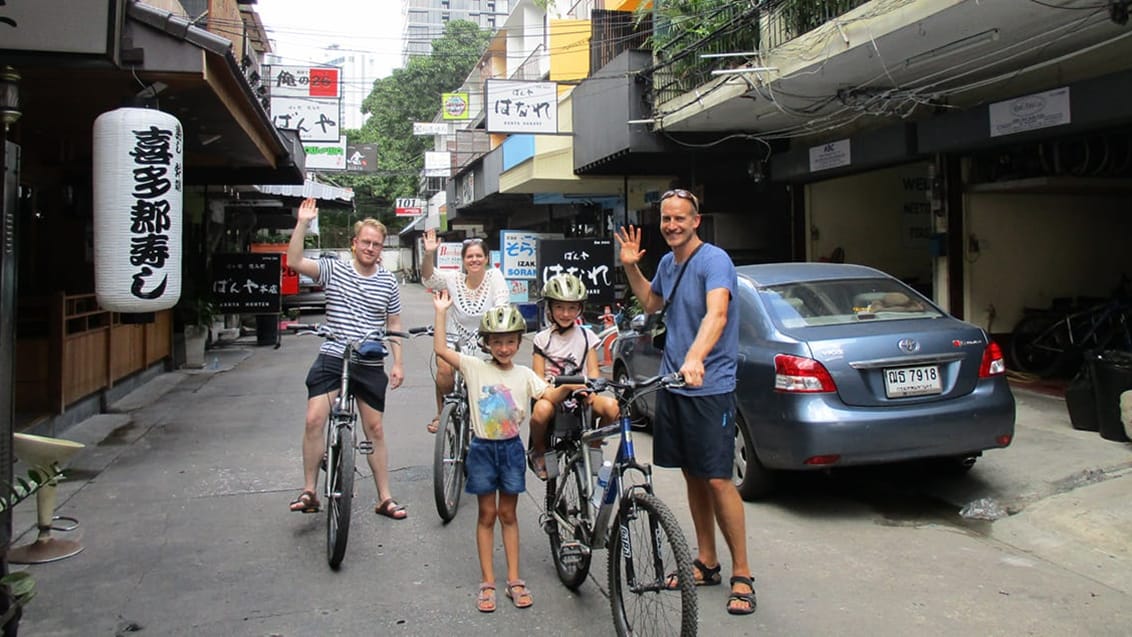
{"points": [[499, 396], [563, 348]]}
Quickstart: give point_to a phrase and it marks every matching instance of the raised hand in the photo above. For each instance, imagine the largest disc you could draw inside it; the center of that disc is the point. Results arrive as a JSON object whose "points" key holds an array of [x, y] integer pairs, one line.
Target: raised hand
{"points": [[441, 300], [430, 242], [630, 240], [308, 210]]}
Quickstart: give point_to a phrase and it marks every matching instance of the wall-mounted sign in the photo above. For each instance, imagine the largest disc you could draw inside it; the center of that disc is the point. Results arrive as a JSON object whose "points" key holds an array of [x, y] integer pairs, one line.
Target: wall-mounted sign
{"points": [[410, 207], [519, 252], [832, 155], [454, 106], [430, 128], [304, 81], [437, 164], [1030, 112], [326, 156], [512, 106], [246, 282], [316, 120], [448, 256]]}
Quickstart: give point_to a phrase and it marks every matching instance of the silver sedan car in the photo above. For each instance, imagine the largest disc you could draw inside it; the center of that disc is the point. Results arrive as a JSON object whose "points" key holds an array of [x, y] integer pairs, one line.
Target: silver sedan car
{"points": [[843, 365]]}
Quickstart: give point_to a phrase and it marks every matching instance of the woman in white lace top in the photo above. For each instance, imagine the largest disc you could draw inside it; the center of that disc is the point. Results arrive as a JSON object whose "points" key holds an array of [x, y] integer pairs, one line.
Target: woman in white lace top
{"points": [[475, 288]]}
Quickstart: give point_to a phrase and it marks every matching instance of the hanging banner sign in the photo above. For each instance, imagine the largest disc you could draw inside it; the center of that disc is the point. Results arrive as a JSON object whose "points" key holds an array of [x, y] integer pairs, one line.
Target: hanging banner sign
{"points": [[437, 164], [591, 260], [361, 158], [455, 106], [304, 81], [410, 207], [430, 128], [513, 106], [316, 120], [138, 198], [326, 156]]}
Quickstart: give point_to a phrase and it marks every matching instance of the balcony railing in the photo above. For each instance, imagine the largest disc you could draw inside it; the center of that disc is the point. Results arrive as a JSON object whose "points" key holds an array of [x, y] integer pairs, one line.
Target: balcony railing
{"points": [[680, 40], [531, 68]]}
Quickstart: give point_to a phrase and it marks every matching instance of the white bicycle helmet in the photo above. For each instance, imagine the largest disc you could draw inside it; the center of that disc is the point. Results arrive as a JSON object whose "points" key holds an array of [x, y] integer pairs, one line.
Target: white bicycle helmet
{"points": [[565, 287]]}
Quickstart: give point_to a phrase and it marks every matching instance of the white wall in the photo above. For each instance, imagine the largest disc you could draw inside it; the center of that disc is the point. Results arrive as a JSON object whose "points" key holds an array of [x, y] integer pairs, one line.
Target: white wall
{"points": [[1036, 247], [880, 218]]}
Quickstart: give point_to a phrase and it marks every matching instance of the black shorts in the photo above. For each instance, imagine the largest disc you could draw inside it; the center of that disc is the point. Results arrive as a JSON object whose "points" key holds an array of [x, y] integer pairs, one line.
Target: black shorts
{"points": [[367, 382], [695, 433]]}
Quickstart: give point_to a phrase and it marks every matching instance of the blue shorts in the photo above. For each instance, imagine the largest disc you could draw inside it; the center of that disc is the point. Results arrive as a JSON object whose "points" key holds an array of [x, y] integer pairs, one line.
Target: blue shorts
{"points": [[496, 465], [695, 433]]}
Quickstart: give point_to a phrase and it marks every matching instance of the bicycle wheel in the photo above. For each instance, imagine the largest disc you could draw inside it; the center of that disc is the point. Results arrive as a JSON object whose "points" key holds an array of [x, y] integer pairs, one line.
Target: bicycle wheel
{"points": [[1038, 344], [448, 460], [564, 497], [340, 477], [652, 547]]}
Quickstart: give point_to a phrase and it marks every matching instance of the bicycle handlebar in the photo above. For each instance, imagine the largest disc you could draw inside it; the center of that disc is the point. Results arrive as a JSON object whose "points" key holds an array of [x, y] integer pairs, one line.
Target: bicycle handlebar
{"points": [[599, 384], [320, 329]]}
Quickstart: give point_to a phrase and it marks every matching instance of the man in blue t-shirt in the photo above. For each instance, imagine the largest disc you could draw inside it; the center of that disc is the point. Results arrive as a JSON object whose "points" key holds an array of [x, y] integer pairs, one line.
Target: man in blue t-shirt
{"points": [[695, 425]]}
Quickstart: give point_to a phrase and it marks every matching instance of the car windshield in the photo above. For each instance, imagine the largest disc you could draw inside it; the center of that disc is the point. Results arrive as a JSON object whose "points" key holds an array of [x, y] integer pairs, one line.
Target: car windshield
{"points": [[810, 303]]}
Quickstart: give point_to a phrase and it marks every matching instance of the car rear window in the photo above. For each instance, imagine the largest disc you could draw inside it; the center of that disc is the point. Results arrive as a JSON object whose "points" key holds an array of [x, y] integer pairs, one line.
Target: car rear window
{"points": [[810, 303]]}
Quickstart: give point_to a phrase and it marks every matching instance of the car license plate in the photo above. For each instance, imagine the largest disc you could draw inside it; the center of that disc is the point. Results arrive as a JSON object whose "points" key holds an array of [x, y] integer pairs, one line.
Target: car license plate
{"points": [[912, 381]]}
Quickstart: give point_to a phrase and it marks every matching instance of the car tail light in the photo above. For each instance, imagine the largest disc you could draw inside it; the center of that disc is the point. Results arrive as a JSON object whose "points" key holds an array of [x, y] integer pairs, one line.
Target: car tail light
{"points": [[822, 460], [796, 374], [993, 363]]}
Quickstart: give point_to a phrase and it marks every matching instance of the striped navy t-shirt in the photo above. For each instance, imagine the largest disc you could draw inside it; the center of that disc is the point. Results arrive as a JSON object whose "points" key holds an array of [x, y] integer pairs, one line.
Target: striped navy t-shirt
{"points": [[356, 304]]}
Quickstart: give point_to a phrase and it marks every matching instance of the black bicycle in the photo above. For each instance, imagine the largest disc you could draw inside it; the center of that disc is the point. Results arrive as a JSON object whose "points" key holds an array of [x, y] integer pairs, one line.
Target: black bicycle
{"points": [[453, 435], [1048, 343], [341, 437], [651, 585]]}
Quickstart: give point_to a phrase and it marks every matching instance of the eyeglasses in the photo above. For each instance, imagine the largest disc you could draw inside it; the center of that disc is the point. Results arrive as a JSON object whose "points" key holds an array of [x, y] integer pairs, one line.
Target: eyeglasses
{"points": [[364, 243], [682, 194]]}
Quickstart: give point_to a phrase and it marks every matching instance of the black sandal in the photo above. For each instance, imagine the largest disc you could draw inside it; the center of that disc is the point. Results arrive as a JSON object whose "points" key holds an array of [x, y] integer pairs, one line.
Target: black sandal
{"points": [[307, 502], [746, 598], [709, 576]]}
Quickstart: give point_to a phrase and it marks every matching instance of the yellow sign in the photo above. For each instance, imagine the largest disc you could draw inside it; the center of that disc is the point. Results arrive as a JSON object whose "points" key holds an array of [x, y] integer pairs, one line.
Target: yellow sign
{"points": [[455, 106]]}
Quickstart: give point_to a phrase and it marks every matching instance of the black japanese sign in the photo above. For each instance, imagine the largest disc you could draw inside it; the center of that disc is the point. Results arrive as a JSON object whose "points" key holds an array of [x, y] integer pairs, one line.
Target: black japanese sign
{"points": [[591, 260], [246, 282]]}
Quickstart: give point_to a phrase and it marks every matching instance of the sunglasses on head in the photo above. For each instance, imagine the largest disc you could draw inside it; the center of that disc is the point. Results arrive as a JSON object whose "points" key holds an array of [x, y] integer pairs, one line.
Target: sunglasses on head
{"points": [[473, 240], [682, 194]]}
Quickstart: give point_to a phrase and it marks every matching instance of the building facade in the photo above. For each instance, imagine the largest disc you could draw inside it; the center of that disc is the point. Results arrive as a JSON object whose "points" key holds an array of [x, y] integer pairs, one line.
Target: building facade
{"points": [[425, 20]]}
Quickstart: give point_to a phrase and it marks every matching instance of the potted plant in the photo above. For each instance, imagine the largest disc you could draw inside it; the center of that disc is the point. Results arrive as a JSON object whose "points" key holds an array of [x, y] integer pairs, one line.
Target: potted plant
{"points": [[17, 589], [199, 313]]}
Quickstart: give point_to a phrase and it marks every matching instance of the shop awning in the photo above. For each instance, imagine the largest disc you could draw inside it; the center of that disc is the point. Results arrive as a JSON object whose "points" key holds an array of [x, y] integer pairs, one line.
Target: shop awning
{"points": [[310, 188]]}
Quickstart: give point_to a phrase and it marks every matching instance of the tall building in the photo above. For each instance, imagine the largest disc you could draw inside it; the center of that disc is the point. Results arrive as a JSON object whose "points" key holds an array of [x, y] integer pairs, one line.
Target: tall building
{"points": [[425, 20], [359, 70]]}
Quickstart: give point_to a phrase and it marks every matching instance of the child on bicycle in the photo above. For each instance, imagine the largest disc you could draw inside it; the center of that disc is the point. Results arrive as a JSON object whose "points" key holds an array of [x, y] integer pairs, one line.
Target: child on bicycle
{"points": [[563, 348], [499, 395]]}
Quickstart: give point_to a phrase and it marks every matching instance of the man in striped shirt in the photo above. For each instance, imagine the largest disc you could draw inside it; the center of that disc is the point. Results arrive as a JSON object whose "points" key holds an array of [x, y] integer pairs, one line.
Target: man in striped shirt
{"points": [[361, 296]]}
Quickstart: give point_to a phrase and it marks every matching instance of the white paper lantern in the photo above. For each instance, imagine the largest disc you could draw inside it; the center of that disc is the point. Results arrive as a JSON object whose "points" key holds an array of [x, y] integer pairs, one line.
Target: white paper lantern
{"points": [[138, 197]]}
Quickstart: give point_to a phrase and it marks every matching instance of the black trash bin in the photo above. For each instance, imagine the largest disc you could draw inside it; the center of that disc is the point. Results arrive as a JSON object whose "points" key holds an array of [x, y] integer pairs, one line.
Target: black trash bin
{"points": [[1113, 376], [1081, 396], [266, 329]]}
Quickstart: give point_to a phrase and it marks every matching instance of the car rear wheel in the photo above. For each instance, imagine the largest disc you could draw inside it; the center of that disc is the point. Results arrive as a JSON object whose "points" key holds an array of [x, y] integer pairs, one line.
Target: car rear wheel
{"points": [[753, 480]]}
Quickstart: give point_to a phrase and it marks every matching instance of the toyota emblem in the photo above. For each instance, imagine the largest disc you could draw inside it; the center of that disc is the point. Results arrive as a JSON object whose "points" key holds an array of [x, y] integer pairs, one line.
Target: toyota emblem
{"points": [[909, 345]]}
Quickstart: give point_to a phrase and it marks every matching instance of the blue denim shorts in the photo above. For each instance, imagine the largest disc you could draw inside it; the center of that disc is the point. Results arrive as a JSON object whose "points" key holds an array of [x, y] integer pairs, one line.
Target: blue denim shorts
{"points": [[496, 465]]}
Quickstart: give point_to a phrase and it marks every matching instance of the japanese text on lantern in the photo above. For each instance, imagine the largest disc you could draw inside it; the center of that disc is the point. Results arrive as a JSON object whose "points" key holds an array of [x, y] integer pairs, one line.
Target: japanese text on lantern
{"points": [[157, 179]]}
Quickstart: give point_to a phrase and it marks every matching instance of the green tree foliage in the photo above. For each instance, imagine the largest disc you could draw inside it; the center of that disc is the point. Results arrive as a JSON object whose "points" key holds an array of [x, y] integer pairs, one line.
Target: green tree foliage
{"points": [[410, 94]]}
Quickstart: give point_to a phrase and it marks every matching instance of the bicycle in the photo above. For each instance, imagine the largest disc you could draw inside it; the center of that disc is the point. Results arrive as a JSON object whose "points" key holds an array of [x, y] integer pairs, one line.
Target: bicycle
{"points": [[453, 435], [1048, 343], [649, 549], [339, 458]]}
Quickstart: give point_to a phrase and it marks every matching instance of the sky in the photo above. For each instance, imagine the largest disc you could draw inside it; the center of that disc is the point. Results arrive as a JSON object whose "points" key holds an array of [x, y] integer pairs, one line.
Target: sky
{"points": [[300, 29]]}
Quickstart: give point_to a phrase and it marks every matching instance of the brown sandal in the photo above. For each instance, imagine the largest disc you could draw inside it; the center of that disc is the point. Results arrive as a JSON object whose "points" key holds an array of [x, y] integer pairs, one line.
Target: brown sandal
{"points": [[307, 502], [390, 509]]}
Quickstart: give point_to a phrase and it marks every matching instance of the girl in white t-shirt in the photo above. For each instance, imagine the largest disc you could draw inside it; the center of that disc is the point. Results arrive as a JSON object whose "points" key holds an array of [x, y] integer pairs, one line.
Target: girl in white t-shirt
{"points": [[563, 348]]}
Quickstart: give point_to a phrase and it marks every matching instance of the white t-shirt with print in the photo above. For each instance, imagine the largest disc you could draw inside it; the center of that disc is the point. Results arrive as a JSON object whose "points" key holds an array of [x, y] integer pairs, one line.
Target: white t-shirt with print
{"points": [[565, 350], [500, 400]]}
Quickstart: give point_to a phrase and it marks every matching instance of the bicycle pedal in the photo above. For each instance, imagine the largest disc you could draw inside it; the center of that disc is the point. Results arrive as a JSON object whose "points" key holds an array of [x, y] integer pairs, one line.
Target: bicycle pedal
{"points": [[572, 552], [365, 447]]}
